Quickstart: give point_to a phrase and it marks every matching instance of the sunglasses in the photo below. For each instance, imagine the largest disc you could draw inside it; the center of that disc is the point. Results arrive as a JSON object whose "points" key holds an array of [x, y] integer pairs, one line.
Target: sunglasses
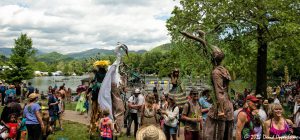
{"points": [[195, 94]]}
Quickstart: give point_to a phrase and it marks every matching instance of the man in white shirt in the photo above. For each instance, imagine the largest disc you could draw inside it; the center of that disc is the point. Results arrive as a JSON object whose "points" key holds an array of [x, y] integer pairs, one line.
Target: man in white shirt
{"points": [[276, 100], [261, 112], [135, 102]]}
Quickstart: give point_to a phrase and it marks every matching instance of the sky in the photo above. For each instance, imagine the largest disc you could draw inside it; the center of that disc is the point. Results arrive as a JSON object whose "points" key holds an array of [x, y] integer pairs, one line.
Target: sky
{"points": [[69, 26]]}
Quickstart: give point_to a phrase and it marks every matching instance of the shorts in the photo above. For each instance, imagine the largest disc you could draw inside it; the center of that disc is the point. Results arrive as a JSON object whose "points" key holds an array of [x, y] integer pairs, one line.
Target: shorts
{"points": [[105, 138], [168, 130], [54, 118]]}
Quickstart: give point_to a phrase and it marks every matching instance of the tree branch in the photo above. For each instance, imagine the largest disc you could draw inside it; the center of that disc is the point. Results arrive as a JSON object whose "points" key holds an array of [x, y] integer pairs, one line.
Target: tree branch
{"points": [[201, 40]]}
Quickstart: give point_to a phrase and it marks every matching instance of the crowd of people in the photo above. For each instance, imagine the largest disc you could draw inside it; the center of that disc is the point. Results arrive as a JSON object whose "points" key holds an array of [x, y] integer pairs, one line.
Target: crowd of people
{"points": [[255, 117], [24, 117], [276, 115]]}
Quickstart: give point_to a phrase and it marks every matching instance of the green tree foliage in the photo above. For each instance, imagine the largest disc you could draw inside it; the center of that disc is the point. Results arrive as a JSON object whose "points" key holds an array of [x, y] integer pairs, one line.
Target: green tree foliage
{"points": [[246, 30], [40, 66], [3, 62], [19, 60]]}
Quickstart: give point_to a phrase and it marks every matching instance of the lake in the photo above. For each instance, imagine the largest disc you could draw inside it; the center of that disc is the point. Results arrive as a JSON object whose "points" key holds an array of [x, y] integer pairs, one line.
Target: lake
{"points": [[42, 83]]}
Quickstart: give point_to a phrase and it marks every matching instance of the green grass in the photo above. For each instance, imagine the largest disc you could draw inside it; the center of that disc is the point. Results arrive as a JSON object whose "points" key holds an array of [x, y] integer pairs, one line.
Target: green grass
{"points": [[239, 85], [70, 106], [76, 131], [72, 131]]}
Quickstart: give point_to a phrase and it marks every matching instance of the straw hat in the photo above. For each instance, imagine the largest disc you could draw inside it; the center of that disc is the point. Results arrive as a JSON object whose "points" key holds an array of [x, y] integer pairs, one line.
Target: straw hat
{"points": [[150, 132], [32, 96]]}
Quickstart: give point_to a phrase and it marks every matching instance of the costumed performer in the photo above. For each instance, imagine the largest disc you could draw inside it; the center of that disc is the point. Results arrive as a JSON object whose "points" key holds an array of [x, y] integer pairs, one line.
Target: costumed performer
{"points": [[99, 72]]}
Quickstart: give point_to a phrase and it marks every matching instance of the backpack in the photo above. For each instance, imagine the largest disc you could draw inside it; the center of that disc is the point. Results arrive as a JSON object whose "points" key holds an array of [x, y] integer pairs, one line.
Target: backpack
{"points": [[188, 112], [2, 89]]}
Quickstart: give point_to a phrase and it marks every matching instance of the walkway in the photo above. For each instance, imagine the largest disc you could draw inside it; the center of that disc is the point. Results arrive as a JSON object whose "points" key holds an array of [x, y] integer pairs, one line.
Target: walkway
{"points": [[83, 119], [75, 117]]}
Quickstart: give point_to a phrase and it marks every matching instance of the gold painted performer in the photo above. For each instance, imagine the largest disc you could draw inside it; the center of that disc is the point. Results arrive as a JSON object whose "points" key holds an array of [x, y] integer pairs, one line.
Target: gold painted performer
{"points": [[220, 116]]}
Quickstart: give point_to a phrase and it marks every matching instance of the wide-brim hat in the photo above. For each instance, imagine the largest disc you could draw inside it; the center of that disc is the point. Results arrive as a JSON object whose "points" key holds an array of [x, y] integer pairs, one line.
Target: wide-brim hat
{"points": [[33, 96], [150, 132]]}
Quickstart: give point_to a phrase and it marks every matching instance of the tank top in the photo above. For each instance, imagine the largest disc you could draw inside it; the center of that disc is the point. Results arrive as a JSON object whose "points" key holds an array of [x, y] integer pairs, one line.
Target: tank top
{"points": [[149, 116], [248, 129], [106, 131], [278, 133]]}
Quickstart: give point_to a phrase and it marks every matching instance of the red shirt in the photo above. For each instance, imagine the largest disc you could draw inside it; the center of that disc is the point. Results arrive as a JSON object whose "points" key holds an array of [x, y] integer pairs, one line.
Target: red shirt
{"points": [[12, 130]]}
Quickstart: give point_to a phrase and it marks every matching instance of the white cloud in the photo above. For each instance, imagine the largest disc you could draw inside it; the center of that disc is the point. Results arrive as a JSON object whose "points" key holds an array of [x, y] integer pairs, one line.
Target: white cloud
{"points": [[69, 26]]}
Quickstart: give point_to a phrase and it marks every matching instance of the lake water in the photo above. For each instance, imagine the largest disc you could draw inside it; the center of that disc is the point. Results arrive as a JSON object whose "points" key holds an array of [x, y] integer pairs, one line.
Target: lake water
{"points": [[42, 83]]}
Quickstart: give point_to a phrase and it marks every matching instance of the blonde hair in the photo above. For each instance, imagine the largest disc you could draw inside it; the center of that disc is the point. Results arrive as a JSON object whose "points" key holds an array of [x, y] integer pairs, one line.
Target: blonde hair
{"points": [[150, 99], [272, 108]]}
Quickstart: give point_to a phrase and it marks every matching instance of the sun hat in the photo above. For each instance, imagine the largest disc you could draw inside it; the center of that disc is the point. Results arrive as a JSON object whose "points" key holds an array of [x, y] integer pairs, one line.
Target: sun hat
{"points": [[150, 132], [32, 96]]}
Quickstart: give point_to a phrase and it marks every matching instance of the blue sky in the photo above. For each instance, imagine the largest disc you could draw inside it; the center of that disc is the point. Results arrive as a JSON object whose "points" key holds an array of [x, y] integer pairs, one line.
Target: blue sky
{"points": [[75, 25]]}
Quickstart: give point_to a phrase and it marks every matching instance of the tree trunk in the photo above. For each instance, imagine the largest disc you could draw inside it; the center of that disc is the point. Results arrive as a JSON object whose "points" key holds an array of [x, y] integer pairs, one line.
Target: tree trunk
{"points": [[261, 72]]}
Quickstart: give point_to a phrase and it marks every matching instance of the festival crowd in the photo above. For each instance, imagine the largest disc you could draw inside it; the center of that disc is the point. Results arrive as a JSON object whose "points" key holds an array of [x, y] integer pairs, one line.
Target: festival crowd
{"points": [[276, 116], [255, 117], [24, 117]]}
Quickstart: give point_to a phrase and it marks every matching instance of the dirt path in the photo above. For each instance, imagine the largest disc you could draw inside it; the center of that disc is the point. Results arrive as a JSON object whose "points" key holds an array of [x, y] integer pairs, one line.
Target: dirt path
{"points": [[75, 117]]}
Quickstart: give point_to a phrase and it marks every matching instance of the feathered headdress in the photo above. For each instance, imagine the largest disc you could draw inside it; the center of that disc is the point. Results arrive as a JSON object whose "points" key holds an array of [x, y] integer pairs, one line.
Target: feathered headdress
{"points": [[101, 63]]}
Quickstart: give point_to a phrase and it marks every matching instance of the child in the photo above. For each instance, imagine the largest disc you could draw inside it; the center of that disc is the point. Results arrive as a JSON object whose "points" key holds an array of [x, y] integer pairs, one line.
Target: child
{"points": [[106, 126], [13, 127]]}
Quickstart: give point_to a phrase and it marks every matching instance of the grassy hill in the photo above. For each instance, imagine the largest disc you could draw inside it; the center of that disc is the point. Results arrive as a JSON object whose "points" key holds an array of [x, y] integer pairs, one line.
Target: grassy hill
{"points": [[163, 48], [53, 57], [94, 52]]}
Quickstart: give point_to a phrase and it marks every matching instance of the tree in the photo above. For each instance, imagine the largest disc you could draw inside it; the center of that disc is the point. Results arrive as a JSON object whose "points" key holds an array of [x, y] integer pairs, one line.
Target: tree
{"points": [[240, 24], [3, 62], [21, 69], [40, 66]]}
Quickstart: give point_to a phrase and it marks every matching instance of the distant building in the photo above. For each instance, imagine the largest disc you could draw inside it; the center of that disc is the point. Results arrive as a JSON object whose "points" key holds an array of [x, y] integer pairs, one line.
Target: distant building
{"points": [[39, 73], [57, 73], [2, 68]]}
